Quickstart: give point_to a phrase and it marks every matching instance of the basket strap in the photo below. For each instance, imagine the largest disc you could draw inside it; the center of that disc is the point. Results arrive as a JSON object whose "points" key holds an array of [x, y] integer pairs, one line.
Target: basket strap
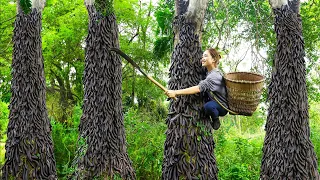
{"points": [[216, 99]]}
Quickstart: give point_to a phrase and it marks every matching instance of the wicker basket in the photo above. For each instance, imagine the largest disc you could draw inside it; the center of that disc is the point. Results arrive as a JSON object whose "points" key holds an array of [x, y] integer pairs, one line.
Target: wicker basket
{"points": [[244, 91]]}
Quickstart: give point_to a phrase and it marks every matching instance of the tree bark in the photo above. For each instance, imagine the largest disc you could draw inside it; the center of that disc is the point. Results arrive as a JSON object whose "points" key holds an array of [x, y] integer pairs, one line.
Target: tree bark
{"points": [[288, 152], [29, 147], [189, 145], [102, 151]]}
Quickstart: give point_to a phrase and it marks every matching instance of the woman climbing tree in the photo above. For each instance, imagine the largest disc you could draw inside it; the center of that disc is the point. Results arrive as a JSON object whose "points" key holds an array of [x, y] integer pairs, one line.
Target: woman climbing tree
{"points": [[102, 151], [214, 83], [29, 147], [188, 148], [288, 152]]}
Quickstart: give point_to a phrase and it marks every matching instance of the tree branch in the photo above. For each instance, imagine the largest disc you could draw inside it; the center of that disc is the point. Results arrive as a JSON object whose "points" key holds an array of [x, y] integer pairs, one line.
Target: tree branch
{"points": [[134, 36], [7, 20]]}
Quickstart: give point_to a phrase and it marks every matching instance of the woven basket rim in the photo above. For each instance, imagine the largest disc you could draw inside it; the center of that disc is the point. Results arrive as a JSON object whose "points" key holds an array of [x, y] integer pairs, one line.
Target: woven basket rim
{"points": [[245, 82]]}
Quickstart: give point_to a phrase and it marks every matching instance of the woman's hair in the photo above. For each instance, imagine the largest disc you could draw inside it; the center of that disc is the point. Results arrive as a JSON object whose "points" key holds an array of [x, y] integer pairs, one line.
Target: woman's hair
{"points": [[214, 54]]}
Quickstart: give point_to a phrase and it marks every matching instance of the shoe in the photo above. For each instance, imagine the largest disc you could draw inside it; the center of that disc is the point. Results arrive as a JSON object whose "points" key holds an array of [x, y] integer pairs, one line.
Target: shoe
{"points": [[215, 123]]}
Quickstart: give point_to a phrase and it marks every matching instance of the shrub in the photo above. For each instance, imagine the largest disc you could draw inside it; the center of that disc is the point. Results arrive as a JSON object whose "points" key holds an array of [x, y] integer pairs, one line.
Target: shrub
{"points": [[145, 137], [314, 113], [4, 119], [65, 142]]}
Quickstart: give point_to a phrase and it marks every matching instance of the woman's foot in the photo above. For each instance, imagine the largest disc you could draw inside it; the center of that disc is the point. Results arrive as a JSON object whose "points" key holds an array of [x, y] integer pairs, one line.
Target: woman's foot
{"points": [[215, 123]]}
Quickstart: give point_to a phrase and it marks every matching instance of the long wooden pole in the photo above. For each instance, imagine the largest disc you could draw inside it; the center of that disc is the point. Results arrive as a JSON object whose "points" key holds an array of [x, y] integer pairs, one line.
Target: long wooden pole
{"points": [[134, 64]]}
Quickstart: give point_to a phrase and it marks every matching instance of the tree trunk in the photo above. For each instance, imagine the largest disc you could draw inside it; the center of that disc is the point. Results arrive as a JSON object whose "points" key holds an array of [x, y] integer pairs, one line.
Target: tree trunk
{"points": [[288, 152], [189, 145], [63, 101], [66, 100], [102, 150], [29, 147]]}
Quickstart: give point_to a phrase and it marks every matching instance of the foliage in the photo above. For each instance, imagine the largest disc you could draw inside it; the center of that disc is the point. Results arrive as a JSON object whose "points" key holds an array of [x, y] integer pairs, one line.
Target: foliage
{"points": [[310, 13], [4, 115], [143, 129], [25, 6], [164, 16], [105, 7], [7, 16], [64, 30], [145, 139], [238, 146], [136, 39], [314, 113], [65, 137], [313, 85], [239, 158]]}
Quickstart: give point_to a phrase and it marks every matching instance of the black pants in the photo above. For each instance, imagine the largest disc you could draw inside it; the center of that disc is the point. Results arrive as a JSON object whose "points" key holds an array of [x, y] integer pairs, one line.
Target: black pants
{"points": [[213, 109]]}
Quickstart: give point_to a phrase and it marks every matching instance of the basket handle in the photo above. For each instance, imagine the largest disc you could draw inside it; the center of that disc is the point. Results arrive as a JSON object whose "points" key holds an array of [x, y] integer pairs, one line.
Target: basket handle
{"points": [[215, 98]]}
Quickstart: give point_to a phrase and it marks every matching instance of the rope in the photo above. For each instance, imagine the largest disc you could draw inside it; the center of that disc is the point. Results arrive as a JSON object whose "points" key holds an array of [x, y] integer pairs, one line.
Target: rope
{"points": [[230, 111]]}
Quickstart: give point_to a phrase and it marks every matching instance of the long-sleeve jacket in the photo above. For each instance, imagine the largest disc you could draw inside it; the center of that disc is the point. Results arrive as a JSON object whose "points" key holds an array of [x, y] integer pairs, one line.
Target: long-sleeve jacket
{"points": [[215, 83]]}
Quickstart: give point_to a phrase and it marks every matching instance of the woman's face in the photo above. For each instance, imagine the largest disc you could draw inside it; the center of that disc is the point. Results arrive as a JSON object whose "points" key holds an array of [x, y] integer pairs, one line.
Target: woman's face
{"points": [[207, 59]]}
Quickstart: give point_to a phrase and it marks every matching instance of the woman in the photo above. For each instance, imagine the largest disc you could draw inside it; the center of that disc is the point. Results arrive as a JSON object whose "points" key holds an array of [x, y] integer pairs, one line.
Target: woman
{"points": [[214, 82]]}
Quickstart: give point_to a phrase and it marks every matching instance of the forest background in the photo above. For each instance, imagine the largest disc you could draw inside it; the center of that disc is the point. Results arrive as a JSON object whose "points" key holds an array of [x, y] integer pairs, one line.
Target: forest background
{"points": [[242, 30]]}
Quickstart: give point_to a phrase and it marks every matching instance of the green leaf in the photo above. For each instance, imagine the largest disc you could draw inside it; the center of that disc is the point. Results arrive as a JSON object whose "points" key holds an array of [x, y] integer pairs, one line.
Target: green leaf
{"points": [[26, 6]]}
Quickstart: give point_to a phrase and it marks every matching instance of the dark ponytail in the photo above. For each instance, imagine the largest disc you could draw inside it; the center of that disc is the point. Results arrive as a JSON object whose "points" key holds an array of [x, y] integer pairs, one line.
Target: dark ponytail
{"points": [[214, 54]]}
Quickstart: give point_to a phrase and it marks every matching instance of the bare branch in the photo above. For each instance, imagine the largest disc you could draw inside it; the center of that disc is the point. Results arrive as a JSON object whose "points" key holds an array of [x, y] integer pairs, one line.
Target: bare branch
{"points": [[7, 20], [134, 36]]}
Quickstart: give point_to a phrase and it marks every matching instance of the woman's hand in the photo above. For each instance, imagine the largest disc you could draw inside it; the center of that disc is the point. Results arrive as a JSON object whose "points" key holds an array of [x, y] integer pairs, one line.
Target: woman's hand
{"points": [[190, 90], [171, 93]]}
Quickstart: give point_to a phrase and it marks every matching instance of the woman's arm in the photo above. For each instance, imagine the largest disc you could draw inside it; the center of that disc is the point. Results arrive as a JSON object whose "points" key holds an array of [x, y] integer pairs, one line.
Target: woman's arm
{"points": [[190, 90]]}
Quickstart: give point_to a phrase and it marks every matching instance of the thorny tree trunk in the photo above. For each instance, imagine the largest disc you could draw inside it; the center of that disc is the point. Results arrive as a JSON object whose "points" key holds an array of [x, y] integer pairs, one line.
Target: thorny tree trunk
{"points": [[189, 145], [29, 147], [103, 149], [288, 152]]}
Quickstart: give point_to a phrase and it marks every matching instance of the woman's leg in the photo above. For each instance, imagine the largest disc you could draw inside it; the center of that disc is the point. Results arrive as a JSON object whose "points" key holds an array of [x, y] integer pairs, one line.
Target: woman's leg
{"points": [[222, 111], [211, 108]]}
